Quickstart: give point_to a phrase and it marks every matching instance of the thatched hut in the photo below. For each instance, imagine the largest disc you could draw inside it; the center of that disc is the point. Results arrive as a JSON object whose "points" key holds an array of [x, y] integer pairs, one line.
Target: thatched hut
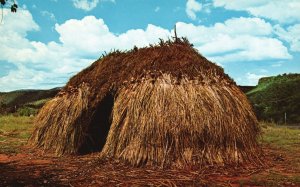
{"points": [[160, 105]]}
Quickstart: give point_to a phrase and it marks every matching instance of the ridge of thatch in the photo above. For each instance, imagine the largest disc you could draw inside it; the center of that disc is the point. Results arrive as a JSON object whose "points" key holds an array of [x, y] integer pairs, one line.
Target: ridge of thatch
{"points": [[160, 105], [177, 58]]}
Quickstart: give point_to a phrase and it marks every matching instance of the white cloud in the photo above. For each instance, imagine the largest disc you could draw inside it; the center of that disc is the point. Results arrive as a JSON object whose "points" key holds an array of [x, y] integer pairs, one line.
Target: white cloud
{"points": [[192, 7], [284, 11], [48, 14], [41, 65], [278, 64], [243, 26], [24, 21], [93, 36], [252, 78], [37, 64], [157, 9], [14, 45], [28, 77], [246, 48], [290, 35], [229, 41], [87, 5], [206, 8]]}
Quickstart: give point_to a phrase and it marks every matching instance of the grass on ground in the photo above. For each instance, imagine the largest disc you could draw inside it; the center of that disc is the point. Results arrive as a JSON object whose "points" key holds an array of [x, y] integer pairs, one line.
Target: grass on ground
{"points": [[14, 132], [281, 137], [285, 142]]}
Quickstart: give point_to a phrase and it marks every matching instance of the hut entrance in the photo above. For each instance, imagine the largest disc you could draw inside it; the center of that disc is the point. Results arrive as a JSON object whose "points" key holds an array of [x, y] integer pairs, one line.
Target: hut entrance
{"points": [[99, 127]]}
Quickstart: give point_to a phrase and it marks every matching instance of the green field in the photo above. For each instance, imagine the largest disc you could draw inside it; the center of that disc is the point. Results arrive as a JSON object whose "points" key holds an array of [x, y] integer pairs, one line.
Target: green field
{"points": [[14, 132], [281, 137]]}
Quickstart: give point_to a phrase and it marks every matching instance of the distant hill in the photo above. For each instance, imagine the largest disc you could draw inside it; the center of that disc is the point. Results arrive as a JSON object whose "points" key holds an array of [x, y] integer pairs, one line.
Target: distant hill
{"points": [[26, 100], [246, 89], [276, 97]]}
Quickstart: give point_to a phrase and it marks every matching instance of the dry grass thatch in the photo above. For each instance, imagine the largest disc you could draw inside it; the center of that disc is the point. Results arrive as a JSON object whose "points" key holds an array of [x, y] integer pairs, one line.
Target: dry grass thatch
{"points": [[162, 123], [65, 127], [164, 105]]}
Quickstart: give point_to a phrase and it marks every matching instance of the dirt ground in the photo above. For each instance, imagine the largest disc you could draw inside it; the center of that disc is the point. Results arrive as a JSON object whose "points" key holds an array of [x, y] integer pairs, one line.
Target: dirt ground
{"points": [[32, 169]]}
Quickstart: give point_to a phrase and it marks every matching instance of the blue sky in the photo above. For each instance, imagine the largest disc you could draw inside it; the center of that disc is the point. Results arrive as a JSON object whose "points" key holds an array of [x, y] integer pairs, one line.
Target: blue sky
{"points": [[47, 42]]}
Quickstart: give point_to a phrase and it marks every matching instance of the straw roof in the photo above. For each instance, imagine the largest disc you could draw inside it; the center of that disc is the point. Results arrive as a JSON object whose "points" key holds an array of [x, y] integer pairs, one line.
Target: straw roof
{"points": [[161, 105]]}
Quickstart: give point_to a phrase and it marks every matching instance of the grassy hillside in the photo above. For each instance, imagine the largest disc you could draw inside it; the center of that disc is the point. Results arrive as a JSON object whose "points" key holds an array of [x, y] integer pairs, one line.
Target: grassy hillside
{"points": [[25, 102], [276, 97]]}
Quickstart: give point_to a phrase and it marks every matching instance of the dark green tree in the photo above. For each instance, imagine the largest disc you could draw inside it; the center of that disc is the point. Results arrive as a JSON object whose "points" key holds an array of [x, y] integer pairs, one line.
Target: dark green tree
{"points": [[13, 6], [11, 3]]}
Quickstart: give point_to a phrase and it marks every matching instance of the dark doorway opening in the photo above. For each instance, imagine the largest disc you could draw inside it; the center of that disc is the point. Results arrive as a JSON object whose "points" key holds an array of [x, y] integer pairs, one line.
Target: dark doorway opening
{"points": [[99, 127]]}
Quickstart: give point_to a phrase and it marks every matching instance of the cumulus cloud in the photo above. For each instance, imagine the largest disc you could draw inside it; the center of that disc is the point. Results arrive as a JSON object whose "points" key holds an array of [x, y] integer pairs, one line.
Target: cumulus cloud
{"points": [[284, 11], [93, 36], [41, 65], [229, 41], [290, 35], [192, 7], [35, 63], [23, 19], [13, 31]]}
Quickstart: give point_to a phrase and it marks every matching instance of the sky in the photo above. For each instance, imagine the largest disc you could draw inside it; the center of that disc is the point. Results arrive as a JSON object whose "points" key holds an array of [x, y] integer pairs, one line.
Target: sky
{"points": [[47, 42]]}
